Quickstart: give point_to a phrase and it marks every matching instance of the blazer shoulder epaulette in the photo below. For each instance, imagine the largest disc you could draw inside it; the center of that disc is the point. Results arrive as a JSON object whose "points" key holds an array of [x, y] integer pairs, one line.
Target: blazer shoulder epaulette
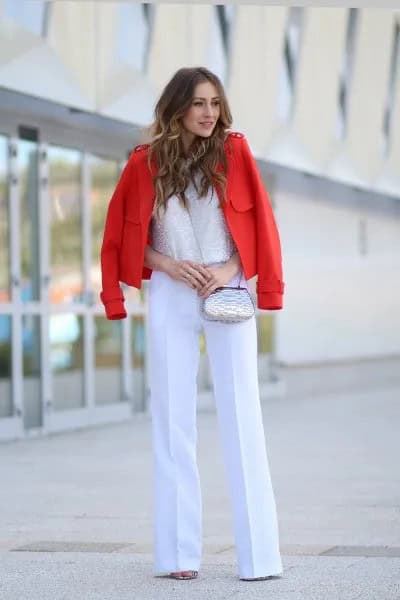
{"points": [[236, 134], [140, 147]]}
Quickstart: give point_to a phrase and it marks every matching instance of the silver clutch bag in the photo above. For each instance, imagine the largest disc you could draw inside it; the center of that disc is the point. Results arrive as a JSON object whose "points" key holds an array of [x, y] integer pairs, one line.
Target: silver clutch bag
{"points": [[228, 304]]}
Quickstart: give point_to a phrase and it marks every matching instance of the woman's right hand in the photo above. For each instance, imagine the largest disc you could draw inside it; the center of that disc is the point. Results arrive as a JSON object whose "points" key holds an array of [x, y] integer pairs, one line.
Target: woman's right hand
{"points": [[195, 275]]}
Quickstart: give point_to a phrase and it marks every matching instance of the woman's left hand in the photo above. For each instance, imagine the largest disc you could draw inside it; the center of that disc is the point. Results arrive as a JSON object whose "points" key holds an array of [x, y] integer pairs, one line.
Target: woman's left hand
{"points": [[219, 276]]}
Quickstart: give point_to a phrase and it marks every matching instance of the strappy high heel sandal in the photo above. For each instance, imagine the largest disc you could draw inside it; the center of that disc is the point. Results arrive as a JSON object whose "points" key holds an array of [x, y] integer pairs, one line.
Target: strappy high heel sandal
{"points": [[255, 578], [180, 575], [260, 578]]}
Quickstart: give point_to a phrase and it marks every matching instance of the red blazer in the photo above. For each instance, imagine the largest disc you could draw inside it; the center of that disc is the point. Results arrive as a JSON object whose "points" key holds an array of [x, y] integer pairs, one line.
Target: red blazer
{"points": [[248, 214]]}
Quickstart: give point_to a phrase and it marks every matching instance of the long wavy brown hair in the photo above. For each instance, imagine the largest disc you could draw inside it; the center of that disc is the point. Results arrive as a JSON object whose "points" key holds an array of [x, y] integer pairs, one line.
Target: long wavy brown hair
{"points": [[175, 170]]}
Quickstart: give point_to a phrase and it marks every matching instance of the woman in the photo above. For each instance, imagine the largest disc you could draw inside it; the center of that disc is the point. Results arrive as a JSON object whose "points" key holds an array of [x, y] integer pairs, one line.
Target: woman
{"points": [[190, 213]]}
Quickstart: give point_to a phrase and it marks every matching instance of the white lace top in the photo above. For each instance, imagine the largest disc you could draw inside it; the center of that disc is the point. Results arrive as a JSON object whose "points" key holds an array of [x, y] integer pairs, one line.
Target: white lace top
{"points": [[173, 234]]}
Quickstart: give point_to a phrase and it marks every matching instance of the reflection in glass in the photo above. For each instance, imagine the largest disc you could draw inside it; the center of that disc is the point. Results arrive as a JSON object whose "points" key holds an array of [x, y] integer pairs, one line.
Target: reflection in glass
{"points": [[5, 366], [28, 175], [5, 293], [31, 371], [108, 361], [138, 360], [66, 360], [104, 177], [65, 225]]}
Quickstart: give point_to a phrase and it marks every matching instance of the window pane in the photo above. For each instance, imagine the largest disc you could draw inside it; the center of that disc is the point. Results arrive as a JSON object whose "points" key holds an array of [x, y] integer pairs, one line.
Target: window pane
{"points": [[66, 360], [132, 35], [108, 360], [265, 333], [28, 177], [5, 366], [65, 225], [265, 341], [31, 368], [27, 14], [5, 293], [104, 177], [138, 345], [204, 378]]}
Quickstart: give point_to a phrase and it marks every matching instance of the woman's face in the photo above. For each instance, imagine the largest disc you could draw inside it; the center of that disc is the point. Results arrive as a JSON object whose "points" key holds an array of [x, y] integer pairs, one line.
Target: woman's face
{"points": [[203, 114]]}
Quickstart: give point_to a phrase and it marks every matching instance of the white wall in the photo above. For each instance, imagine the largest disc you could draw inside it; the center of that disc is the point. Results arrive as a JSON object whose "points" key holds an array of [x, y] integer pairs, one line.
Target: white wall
{"points": [[340, 303]]}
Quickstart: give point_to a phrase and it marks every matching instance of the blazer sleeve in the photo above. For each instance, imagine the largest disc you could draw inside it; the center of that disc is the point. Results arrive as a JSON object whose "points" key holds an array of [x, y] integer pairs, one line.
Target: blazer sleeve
{"points": [[270, 285], [112, 295]]}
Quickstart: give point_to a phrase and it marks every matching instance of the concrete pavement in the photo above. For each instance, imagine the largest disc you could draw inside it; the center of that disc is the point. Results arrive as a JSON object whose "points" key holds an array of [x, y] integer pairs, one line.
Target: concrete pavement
{"points": [[75, 508]]}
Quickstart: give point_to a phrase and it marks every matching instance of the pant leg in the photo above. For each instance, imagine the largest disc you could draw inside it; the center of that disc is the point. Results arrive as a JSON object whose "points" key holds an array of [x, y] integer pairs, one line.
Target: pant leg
{"points": [[232, 350], [173, 355]]}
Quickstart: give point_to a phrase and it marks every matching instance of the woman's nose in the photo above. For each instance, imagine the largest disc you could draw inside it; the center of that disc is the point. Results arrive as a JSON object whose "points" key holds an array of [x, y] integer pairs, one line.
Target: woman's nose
{"points": [[210, 110]]}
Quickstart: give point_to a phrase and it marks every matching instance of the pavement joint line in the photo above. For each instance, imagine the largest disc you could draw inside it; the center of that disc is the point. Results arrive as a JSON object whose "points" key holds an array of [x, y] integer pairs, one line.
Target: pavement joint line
{"points": [[367, 551], [295, 550]]}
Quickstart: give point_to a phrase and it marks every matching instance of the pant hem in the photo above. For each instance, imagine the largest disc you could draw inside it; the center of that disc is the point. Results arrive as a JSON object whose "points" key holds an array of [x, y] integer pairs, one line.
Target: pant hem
{"points": [[277, 572]]}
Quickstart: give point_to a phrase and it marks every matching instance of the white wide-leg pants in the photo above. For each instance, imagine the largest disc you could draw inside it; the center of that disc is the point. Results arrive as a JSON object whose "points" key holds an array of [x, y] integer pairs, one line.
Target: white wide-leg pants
{"points": [[174, 323]]}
